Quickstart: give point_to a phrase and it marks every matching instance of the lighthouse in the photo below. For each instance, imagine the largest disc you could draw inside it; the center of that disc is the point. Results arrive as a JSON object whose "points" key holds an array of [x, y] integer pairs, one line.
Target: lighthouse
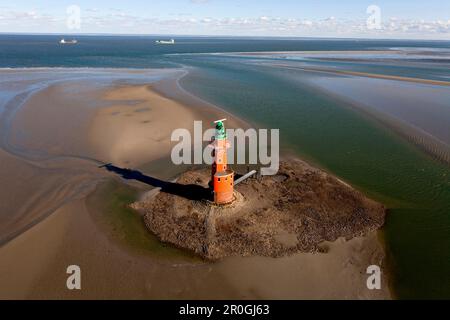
{"points": [[222, 177]]}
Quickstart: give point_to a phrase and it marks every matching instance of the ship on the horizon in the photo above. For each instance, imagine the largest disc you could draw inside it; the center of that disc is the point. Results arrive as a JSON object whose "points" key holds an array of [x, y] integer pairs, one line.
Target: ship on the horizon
{"points": [[63, 41], [171, 41]]}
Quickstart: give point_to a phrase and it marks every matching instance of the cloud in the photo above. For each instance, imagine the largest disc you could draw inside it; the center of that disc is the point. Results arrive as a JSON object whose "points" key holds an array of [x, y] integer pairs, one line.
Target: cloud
{"points": [[32, 18], [120, 21]]}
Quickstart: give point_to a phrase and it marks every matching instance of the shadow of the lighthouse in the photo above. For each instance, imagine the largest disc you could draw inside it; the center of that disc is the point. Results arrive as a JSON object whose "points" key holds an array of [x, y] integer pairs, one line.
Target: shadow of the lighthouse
{"points": [[188, 191]]}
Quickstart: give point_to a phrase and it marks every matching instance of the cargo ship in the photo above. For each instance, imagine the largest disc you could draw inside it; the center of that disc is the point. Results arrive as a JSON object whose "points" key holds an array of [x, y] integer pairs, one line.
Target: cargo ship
{"points": [[63, 41], [171, 41]]}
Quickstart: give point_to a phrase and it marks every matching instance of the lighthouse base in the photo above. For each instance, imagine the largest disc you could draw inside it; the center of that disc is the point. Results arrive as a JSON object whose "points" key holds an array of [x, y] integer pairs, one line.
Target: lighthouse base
{"points": [[223, 186]]}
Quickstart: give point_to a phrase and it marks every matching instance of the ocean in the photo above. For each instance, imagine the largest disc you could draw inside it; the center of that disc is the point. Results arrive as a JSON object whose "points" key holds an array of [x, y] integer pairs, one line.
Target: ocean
{"points": [[342, 134], [27, 51]]}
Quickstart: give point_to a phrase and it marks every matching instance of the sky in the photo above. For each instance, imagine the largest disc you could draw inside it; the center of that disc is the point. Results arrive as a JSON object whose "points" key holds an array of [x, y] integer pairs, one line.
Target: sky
{"points": [[408, 19]]}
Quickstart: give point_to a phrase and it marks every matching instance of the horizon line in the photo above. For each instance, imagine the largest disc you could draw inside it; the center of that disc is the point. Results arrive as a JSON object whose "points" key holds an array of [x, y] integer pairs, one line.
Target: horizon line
{"points": [[215, 36]]}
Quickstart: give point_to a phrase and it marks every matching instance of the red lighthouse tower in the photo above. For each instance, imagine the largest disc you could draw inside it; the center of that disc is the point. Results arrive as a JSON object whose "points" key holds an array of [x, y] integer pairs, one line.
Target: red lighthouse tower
{"points": [[222, 178]]}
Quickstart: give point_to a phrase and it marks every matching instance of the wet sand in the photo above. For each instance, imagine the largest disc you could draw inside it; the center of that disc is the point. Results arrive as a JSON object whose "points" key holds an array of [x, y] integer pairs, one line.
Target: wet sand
{"points": [[352, 55], [137, 131], [416, 109], [419, 114], [49, 218], [366, 75], [313, 53]]}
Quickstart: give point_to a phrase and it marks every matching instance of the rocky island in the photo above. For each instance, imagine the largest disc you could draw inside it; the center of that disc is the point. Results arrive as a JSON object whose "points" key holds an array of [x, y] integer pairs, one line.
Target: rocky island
{"points": [[274, 216]]}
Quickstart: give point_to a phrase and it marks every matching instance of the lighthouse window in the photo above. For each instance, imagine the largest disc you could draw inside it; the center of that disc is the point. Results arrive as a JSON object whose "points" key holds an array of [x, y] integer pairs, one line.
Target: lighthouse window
{"points": [[219, 179]]}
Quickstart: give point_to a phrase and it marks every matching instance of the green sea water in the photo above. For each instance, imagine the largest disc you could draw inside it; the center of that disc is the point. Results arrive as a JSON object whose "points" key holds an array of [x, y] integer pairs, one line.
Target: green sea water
{"points": [[414, 186]]}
